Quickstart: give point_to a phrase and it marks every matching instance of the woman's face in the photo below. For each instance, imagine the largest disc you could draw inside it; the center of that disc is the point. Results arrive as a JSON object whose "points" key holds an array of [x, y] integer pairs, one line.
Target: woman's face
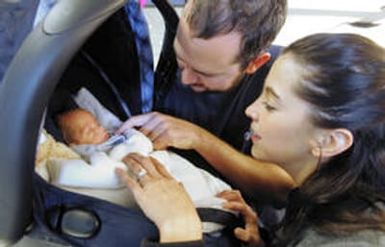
{"points": [[282, 131]]}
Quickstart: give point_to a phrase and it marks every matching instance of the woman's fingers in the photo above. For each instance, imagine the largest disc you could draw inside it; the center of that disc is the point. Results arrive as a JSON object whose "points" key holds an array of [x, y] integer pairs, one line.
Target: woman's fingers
{"points": [[127, 180], [248, 213], [250, 233], [235, 206], [236, 202], [161, 168], [249, 236], [250, 217], [231, 195], [242, 234], [145, 169], [138, 163], [136, 169]]}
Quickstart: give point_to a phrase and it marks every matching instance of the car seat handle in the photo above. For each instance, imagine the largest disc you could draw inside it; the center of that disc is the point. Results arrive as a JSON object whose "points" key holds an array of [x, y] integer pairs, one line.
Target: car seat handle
{"points": [[24, 93]]}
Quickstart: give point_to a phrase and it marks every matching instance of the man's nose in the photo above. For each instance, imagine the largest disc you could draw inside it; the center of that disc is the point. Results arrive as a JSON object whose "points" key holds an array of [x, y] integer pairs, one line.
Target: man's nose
{"points": [[189, 77]]}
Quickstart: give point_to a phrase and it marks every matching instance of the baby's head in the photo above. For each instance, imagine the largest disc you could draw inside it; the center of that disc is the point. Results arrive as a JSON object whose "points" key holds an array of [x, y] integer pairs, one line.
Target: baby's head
{"points": [[81, 127]]}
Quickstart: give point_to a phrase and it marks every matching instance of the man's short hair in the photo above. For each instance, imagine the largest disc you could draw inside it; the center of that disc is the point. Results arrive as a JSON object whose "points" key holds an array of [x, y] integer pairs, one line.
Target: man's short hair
{"points": [[257, 21]]}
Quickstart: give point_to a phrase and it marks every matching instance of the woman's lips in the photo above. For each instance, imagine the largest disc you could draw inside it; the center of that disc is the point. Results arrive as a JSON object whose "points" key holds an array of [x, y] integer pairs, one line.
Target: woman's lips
{"points": [[255, 138], [251, 135]]}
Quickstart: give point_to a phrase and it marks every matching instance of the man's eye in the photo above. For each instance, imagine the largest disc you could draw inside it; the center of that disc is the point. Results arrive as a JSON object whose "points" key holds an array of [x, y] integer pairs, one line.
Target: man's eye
{"points": [[206, 76], [268, 107]]}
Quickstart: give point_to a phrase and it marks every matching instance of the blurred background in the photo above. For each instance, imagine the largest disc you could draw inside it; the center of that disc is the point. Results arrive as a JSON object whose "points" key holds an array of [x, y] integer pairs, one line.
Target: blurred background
{"points": [[365, 17]]}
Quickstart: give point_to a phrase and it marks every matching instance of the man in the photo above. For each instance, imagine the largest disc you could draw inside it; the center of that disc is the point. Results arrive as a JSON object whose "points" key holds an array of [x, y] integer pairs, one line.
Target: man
{"points": [[220, 45]]}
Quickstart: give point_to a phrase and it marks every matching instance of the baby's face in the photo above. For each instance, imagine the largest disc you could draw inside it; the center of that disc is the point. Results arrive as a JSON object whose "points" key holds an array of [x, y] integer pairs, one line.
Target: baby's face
{"points": [[81, 127]]}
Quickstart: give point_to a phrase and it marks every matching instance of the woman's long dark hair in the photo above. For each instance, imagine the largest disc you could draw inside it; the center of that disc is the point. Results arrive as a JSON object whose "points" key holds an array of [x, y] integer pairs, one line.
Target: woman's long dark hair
{"points": [[344, 83]]}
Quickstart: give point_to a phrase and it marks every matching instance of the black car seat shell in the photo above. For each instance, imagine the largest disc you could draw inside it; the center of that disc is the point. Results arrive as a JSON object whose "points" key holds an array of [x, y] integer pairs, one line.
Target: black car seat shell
{"points": [[24, 94]]}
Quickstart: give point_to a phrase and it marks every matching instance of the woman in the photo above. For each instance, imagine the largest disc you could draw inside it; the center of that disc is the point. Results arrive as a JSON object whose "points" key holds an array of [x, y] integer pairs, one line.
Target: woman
{"points": [[321, 117]]}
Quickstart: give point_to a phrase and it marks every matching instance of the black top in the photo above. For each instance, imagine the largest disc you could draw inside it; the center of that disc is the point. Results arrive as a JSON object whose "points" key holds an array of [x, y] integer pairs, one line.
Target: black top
{"points": [[221, 113]]}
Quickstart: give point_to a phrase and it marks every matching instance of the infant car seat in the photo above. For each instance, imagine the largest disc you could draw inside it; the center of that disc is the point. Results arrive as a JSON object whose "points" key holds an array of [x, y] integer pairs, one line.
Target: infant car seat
{"points": [[72, 47]]}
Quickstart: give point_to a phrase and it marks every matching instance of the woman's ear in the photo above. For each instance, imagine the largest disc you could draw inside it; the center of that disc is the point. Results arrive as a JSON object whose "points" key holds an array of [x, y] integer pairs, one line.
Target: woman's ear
{"points": [[333, 142], [257, 62]]}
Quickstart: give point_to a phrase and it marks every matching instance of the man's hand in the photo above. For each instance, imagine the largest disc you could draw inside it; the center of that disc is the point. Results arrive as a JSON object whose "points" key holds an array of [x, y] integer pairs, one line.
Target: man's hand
{"points": [[165, 131], [250, 233]]}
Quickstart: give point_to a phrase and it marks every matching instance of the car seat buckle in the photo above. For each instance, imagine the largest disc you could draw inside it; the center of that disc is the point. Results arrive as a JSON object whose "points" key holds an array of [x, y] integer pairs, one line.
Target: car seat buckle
{"points": [[74, 222]]}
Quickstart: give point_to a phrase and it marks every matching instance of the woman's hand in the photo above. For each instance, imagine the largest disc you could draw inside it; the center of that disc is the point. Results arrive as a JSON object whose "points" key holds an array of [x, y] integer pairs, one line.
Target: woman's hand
{"points": [[162, 199], [250, 233]]}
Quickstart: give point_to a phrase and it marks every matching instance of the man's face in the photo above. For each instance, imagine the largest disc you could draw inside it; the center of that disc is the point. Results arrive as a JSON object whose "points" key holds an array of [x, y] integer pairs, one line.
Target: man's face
{"points": [[208, 65]]}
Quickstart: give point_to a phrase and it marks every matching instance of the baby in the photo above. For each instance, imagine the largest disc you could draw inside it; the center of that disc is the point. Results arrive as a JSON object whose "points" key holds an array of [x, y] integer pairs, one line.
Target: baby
{"points": [[81, 127], [101, 153]]}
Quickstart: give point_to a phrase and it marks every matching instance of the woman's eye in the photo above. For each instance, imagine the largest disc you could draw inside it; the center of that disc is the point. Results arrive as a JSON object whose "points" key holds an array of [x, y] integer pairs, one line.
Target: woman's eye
{"points": [[268, 107]]}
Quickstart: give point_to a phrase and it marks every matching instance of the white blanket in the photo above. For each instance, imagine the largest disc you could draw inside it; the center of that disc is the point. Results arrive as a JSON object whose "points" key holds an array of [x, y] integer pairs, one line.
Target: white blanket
{"points": [[99, 173], [95, 174]]}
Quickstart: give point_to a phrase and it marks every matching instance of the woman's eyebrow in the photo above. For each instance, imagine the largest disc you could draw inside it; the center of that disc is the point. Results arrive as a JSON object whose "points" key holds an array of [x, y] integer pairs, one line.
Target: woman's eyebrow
{"points": [[270, 92]]}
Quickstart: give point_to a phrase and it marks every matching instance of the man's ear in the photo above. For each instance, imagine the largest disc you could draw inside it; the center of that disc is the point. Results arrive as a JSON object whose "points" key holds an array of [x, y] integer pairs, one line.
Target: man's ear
{"points": [[333, 142], [257, 62]]}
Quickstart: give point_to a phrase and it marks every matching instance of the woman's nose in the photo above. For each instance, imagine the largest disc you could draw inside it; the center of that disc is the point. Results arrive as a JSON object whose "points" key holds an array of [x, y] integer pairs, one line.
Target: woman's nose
{"points": [[252, 111]]}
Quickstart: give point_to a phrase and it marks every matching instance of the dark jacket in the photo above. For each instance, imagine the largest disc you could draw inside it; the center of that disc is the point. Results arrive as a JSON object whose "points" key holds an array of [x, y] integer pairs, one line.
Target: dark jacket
{"points": [[221, 113]]}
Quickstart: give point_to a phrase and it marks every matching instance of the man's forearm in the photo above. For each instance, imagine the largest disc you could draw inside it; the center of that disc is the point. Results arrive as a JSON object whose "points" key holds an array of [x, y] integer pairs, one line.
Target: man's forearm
{"points": [[250, 175]]}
